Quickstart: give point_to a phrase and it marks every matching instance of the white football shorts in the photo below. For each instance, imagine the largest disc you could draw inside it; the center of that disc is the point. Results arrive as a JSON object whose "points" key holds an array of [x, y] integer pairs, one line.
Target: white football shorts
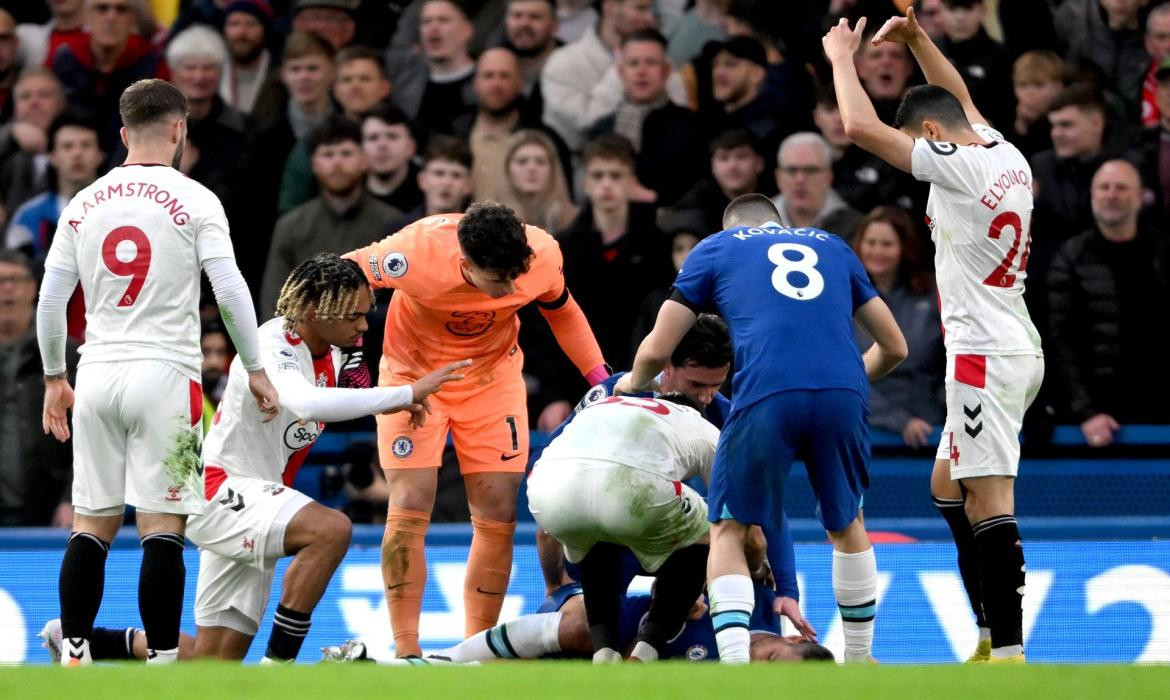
{"points": [[987, 396], [137, 432], [240, 537], [583, 502]]}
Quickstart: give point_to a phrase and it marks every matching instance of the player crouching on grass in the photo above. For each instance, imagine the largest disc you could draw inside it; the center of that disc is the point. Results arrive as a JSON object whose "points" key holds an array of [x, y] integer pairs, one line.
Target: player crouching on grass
{"points": [[253, 516]]}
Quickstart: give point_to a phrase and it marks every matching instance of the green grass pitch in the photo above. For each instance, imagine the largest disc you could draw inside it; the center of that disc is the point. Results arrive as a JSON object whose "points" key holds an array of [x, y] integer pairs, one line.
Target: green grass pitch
{"points": [[212, 681]]}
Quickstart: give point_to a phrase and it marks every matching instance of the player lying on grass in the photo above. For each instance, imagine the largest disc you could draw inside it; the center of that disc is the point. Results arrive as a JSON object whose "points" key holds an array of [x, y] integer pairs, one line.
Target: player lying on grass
{"points": [[560, 630], [253, 516]]}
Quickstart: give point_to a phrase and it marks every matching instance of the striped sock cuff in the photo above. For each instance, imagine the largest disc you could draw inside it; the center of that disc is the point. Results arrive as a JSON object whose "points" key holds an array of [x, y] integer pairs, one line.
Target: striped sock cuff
{"points": [[993, 522], [730, 618], [92, 537], [292, 622], [172, 537], [863, 612], [947, 502], [499, 644]]}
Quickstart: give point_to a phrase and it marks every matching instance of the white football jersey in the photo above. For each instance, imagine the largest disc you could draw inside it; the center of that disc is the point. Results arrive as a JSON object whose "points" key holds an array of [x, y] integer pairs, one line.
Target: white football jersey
{"points": [[137, 238], [980, 216], [239, 442], [656, 436]]}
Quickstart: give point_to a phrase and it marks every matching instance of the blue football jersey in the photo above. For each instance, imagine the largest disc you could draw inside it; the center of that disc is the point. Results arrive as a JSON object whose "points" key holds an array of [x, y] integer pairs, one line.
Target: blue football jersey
{"points": [[788, 296]]}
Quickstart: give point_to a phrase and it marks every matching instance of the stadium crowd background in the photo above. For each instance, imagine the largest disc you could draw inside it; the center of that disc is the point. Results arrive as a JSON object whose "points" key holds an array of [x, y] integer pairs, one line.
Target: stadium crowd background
{"points": [[622, 126]]}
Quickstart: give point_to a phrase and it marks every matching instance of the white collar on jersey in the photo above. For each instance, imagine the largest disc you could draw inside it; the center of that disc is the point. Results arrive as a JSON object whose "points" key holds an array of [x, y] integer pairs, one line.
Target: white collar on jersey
{"points": [[772, 224]]}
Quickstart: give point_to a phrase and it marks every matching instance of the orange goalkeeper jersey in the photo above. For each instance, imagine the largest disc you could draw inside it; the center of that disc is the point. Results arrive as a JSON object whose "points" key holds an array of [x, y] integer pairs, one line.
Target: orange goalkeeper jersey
{"points": [[436, 316]]}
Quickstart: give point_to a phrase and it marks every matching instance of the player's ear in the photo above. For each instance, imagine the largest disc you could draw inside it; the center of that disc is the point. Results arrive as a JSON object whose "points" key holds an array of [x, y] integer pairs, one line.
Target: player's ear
{"points": [[125, 138]]}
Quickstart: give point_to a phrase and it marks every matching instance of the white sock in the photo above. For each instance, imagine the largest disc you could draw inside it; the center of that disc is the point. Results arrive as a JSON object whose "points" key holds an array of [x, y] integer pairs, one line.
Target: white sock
{"points": [[606, 656], [1007, 652], [162, 656], [732, 600], [644, 652], [75, 652], [526, 637], [855, 584]]}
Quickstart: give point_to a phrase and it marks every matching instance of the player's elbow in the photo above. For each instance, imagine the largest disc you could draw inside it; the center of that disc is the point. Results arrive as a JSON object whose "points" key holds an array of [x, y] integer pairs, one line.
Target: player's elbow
{"points": [[896, 349]]}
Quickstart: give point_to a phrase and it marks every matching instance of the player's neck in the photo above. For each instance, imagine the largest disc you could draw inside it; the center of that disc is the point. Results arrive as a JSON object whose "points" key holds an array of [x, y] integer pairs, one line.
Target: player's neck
{"points": [[150, 155], [313, 342]]}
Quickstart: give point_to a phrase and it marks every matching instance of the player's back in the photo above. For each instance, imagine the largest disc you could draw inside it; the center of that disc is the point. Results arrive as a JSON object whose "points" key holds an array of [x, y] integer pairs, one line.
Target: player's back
{"points": [[137, 238], [788, 296], [649, 434], [980, 215]]}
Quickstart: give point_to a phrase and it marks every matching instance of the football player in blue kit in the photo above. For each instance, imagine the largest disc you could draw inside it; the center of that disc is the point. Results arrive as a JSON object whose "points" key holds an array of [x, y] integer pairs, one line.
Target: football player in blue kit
{"points": [[790, 297]]}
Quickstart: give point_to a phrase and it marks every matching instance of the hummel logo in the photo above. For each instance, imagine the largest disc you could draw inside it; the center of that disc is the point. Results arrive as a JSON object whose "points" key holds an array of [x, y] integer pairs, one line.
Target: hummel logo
{"points": [[973, 412], [505, 458], [973, 432]]}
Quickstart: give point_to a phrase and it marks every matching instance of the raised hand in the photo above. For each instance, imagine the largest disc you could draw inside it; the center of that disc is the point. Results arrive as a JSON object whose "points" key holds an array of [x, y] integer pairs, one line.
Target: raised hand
{"points": [[842, 42], [899, 30]]}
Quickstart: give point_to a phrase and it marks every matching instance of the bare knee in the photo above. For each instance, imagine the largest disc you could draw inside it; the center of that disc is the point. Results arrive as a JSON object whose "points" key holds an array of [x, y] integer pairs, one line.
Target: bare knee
{"points": [[412, 489], [336, 532], [852, 538]]}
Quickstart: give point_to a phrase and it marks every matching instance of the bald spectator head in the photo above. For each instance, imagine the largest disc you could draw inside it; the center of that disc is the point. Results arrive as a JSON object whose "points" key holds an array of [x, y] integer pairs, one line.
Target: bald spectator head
{"points": [[1116, 198], [884, 69], [445, 33], [110, 23], [361, 82], [643, 67], [497, 82], [1077, 117], [332, 20], [530, 26]]}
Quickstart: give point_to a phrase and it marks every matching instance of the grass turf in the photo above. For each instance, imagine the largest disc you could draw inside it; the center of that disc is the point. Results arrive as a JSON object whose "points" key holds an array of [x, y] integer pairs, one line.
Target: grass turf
{"points": [[580, 680]]}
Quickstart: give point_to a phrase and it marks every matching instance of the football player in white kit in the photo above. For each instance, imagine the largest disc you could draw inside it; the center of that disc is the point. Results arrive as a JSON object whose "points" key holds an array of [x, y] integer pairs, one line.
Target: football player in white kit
{"points": [[137, 239], [625, 489], [979, 212], [254, 516]]}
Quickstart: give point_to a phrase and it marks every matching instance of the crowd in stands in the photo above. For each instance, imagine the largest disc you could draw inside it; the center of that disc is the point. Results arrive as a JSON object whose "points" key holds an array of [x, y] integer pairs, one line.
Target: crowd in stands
{"points": [[623, 127]]}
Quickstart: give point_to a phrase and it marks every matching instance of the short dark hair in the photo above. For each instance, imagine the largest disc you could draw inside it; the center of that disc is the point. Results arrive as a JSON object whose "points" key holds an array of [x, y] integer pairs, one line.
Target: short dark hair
{"points": [[450, 148], [335, 130], [71, 118], [751, 209], [649, 34], [302, 44], [552, 4], [930, 102], [1083, 96], [811, 651], [736, 138], [391, 115], [11, 256], [706, 344], [454, 3], [492, 237], [150, 101], [677, 397], [611, 146], [361, 53]]}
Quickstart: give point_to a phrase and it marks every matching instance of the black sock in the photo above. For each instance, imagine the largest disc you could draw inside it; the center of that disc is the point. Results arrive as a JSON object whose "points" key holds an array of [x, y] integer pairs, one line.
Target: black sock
{"points": [[678, 583], [956, 517], [160, 589], [112, 645], [289, 628], [1001, 577], [601, 580], [82, 581]]}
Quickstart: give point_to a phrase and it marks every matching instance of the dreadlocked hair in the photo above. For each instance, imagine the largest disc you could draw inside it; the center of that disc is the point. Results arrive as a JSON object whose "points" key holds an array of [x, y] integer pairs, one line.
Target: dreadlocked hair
{"points": [[331, 283]]}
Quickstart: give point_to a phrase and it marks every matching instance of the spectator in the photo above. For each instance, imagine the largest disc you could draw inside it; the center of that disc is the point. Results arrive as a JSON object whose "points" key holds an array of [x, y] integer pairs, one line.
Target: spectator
{"points": [[342, 218], [929, 15], [246, 26], [39, 42], [360, 85], [1037, 78], [530, 30], [614, 253], [982, 61], [75, 158], [1107, 33], [216, 133], [435, 88], [909, 400], [804, 175], [662, 133], [332, 20], [36, 471], [389, 144], [499, 113], [9, 63], [861, 178], [217, 355], [96, 73], [684, 229], [736, 165], [536, 185], [884, 71], [38, 98], [445, 180], [1105, 348], [701, 24], [1157, 42], [575, 19], [580, 81], [738, 71]]}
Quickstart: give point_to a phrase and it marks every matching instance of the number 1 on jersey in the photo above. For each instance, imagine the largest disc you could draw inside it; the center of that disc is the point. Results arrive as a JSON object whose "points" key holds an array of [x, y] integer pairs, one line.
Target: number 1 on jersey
{"points": [[135, 268], [1002, 276]]}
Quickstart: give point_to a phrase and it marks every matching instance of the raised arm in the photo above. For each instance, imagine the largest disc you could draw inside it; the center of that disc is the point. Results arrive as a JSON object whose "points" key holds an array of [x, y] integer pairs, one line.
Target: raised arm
{"points": [[674, 320], [935, 66], [861, 121]]}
